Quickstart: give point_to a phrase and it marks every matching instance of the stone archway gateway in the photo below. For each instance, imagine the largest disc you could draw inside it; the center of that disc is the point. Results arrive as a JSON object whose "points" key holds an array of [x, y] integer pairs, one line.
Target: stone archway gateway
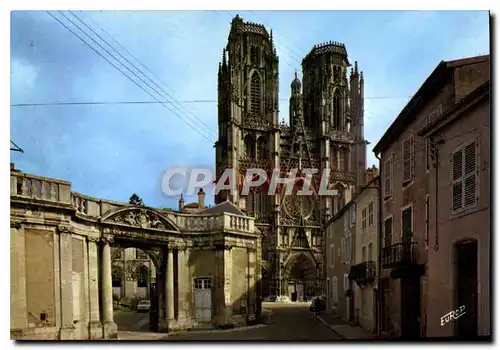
{"points": [[62, 272]]}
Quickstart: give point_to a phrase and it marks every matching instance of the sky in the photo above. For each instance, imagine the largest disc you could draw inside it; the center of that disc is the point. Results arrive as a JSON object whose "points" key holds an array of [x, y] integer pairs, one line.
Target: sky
{"points": [[110, 151]]}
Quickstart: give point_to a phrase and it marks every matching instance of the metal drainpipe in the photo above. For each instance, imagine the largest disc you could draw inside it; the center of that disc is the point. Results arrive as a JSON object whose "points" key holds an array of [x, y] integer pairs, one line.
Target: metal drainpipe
{"points": [[379, 246]]}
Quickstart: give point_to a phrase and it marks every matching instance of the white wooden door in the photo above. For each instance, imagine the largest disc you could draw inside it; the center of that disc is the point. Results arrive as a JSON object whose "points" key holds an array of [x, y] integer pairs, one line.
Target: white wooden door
{"points": [[203, 299], [300, 292]]}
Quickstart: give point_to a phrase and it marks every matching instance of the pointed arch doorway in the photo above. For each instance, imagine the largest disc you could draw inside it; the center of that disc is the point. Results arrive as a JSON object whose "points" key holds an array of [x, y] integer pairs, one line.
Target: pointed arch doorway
{"points": [[300, 277]]}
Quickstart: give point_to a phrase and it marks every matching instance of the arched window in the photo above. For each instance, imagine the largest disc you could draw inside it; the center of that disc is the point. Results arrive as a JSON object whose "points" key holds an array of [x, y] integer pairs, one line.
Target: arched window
{"points": [[142, 276], [250, 203], [117, 275], [249, 147], [336, 110], [370, 252], [255, 94], [363, 253], [263, 203], [262, 148], [341, 158]]}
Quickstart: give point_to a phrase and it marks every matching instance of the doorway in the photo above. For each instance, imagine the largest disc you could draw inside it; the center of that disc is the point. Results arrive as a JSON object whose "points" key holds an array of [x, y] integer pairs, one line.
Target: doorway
{"points": [[466, 286], [385, 300], [410, 302], [296, 291], [203, 299]]}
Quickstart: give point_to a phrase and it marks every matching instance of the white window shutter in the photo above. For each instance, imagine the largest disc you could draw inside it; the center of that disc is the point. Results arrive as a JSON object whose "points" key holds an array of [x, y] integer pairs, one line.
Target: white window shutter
{"points": [[457, 180], [470, 174]]}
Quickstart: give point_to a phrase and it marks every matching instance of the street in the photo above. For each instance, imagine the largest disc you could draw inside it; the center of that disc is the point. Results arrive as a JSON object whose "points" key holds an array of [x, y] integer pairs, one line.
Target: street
{"points": [[132, 321], [290, 322]]}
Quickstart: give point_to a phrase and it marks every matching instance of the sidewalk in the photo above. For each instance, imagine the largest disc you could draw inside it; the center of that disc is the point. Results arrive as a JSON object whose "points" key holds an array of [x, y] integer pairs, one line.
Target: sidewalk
{"points": [[345, 329]]}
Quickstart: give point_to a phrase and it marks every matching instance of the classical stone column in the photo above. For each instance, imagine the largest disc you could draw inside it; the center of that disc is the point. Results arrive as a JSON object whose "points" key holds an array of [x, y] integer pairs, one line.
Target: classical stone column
{"points": [[183, 284], [110, 329], [95, 326], [169, 289], [224, 264], [251, 289], [67, 330]]}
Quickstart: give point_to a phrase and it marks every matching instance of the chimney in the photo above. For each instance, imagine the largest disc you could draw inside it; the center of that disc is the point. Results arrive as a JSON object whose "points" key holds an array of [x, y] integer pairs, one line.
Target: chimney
{"points": [[201, 198], [12, 166], [370, 174]]}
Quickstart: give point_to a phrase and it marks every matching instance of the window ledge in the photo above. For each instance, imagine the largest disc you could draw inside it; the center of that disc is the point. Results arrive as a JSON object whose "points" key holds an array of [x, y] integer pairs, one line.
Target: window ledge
{"points": [[407, 183], [464, 212]]}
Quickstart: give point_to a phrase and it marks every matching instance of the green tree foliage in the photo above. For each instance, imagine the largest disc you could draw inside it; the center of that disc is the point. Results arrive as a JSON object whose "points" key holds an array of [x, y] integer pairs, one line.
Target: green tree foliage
{"points": [[135, 200]]}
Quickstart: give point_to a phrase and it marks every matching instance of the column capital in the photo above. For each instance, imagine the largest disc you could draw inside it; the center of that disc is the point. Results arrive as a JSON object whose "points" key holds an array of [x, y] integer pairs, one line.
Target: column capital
{"points": [[15, 224], [64, 229], [107, 239], [93, 239]]}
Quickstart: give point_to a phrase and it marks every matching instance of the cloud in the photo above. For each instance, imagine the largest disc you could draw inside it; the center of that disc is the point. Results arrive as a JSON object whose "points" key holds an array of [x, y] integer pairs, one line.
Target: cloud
{"points": [[23, 79]]}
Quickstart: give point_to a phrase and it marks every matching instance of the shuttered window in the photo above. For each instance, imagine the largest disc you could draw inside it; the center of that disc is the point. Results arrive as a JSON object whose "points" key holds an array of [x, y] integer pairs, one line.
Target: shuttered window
{"points": [[342, 248], [426, 219], [388, 178], [335, 291], [408, 159], [388, 232], [363, 218], [370, 214], [464, 177], [332, 255]]}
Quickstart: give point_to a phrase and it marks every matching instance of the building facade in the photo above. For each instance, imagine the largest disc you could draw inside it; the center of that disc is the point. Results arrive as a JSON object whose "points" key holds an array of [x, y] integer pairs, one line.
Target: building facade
{"points": [[459, 257], [364, 271], [340, 241], [325, 132], [405, 189], [61, 262]]}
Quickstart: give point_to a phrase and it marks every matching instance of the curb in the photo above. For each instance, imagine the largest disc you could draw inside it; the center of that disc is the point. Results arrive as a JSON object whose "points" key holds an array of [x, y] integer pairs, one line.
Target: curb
{"points": [[327, 325], [209, 331]]}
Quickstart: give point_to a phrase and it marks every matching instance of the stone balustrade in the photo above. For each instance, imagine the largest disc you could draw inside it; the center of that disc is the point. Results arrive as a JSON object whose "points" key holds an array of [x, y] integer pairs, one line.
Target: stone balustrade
{"points": [[222, 222], [25, 186], [39, 187]]}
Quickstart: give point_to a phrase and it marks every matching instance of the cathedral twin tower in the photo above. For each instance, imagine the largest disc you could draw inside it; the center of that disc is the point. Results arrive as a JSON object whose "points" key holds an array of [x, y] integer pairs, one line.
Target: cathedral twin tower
{"points": [[325, 132]]}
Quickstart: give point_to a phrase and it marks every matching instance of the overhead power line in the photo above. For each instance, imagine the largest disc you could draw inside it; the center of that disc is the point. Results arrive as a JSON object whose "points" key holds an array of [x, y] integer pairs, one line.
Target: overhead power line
{"points": [[153, 102], [121, 71], [182, 108]]}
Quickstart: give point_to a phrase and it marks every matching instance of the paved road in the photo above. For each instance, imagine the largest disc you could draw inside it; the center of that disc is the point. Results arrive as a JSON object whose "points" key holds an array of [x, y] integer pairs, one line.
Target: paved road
{"points": [[290, 322], [132, 320]]}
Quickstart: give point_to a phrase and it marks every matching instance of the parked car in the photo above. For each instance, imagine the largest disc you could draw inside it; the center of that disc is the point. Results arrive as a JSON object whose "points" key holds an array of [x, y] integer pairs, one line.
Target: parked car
{"points": [[144, 306]]}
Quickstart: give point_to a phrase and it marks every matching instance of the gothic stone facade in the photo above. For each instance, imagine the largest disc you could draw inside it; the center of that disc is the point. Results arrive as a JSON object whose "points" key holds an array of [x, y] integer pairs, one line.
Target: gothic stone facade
{"points": [[325, 132], [207, 266]]}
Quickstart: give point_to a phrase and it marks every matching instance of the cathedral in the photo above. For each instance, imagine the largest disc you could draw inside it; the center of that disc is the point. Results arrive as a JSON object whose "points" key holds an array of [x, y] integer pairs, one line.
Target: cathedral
{"points": [[325, 131]]}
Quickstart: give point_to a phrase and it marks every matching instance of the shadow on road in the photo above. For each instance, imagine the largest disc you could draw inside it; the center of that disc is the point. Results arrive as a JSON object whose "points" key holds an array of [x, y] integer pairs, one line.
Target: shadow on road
{"points": [[132, 321]]}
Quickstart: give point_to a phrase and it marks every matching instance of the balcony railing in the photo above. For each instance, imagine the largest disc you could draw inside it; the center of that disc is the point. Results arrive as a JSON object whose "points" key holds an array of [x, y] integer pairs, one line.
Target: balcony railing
{"points": [[363, 273], [400, 254]]}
